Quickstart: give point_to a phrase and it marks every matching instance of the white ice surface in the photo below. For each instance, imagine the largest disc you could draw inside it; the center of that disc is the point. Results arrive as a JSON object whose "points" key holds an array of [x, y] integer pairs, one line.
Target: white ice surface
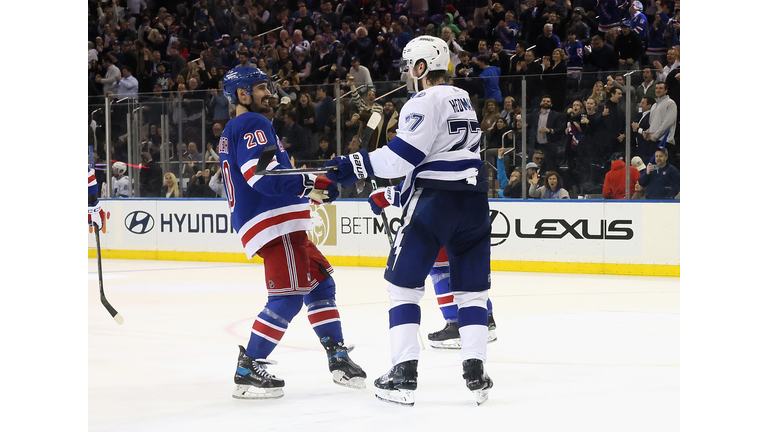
{"points": [[574, 352]]}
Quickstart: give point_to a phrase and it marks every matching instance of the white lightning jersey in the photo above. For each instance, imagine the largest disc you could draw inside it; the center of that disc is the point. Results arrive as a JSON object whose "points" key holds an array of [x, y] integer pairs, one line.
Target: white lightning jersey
{"points": [[438, 141]]}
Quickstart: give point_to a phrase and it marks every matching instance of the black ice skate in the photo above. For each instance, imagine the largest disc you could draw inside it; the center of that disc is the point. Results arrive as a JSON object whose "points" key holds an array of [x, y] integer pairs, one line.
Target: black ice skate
{"points": [[345, 372], [449, 338], [477, 380], [252, 381], [397, 386]]}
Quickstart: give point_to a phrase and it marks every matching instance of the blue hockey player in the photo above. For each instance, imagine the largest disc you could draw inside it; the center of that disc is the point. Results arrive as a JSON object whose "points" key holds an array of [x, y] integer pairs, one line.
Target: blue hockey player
{"points": [[272, 215], [445, 204]]}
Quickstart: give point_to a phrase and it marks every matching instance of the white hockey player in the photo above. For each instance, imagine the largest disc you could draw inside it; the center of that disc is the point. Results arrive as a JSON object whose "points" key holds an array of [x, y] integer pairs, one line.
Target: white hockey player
{"points": [[445, 204], [121, 183]]}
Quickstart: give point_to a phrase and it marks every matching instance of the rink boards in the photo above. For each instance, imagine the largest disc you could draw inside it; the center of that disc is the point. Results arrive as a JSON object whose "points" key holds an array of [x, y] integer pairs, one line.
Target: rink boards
{"points": [[592, 237]]}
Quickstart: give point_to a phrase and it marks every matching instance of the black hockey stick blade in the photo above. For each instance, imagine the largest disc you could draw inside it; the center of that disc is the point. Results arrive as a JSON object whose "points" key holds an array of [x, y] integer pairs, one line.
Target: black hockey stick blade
{"points": [[110, 309], [265, 159], [370, 127]]}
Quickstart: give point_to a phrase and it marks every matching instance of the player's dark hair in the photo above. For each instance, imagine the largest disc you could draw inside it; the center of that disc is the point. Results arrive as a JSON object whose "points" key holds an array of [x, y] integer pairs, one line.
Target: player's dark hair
{"points": [[650, 100], [486, 59]]}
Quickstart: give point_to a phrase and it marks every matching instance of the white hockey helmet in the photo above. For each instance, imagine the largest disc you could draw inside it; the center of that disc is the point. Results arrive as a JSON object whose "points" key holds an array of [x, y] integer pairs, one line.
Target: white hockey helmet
{"points": [[120, 167], [434, 51]]}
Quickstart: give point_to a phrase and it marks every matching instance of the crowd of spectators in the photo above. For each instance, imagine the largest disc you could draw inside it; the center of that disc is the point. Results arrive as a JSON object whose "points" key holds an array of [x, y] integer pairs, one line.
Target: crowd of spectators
{"points": [[572, 54]]}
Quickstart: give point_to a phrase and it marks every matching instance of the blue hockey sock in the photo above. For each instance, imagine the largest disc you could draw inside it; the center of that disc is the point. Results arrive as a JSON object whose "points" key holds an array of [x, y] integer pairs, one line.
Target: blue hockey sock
{"points": [[270, 325], [322, 312]]}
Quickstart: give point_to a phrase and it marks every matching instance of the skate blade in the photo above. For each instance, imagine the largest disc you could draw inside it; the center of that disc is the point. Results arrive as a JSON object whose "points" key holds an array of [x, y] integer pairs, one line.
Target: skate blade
{"points": [[251, 392], [491, 336], [342, 380], [397, 397], [481, 396], [446, 344]]}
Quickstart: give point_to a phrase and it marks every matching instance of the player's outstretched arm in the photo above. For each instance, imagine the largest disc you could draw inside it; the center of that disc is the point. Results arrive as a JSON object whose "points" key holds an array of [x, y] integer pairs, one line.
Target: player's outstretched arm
{"points": [[301, 185]]}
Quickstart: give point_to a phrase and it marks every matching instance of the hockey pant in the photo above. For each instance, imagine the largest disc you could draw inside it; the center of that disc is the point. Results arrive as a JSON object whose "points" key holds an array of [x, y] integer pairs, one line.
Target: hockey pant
{"points": [[433, 219], [270, 325], [441, 280]]}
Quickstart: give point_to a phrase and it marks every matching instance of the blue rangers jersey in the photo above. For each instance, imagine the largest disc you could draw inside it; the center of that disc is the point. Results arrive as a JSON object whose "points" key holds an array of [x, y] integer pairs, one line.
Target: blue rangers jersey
{"points": [[639, 24], [437, 143], [609, 14], [575, 52], [262, 207]]}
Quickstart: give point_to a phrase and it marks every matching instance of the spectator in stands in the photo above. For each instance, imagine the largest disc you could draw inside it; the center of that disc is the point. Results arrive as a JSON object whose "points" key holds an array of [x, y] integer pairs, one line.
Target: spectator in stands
{"points": [[496, 135], [151, 179], [170, 187], [305, 113], [578, 24], [673, 62], [598, 92], [511, 187], [609, 134], [647, 88], [361, 45], [662, 180], [545, 130], [112, 75], [552, 189], [482, 49], [507, 32], [555, 79], [128, 85], [295, 138], [324, 109], [589, 165], [379, 66], [601, 57], [614, 186], [510, 109], [361, 189], [324, 151], [490, 114], [641, 122], [360, 75], [198, 185], [574, 51], [663, 116], [218, 104], [490, 75], [546, 42], [629, 48]]}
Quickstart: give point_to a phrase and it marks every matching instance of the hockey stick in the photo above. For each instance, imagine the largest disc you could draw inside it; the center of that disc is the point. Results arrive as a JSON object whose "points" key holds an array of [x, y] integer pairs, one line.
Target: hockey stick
{"points": [[370, 127], [104, 301], [389, 93]]}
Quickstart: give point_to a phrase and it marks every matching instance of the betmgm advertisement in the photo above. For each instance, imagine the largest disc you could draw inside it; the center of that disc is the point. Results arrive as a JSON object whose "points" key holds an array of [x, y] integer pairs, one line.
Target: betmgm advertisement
{"points": [[556, 236]]}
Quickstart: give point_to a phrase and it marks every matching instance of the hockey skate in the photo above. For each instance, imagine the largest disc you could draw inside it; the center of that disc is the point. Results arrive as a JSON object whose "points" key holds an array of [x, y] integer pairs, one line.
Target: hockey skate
{"points": [[252, 381], [345, 372], [477, 380], [449, 338], [397, 386]]}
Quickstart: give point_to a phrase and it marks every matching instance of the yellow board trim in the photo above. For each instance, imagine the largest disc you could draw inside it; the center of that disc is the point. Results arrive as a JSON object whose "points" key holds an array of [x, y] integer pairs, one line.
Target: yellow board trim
{"points": [[363, 261]]}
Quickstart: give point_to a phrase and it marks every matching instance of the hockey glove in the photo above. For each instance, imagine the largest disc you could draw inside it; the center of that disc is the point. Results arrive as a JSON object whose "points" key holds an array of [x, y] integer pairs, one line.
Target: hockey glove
{"points": [[96, 215], [350, 168], [383, 198], [319, 190]]}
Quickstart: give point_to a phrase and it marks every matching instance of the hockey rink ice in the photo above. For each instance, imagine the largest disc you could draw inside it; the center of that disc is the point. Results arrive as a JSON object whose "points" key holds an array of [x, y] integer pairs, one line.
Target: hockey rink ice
{"points": [[574, 352]]}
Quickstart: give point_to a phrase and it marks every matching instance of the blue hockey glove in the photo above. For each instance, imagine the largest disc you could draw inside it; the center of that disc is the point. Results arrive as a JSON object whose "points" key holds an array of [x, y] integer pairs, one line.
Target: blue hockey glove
{"points": [[350, 168], [383, 198], [319, 190]]}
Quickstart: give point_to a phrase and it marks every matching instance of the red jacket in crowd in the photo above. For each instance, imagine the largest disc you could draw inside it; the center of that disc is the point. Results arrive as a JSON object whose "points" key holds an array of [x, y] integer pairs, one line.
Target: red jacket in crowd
{"points": [[613, 187]]}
